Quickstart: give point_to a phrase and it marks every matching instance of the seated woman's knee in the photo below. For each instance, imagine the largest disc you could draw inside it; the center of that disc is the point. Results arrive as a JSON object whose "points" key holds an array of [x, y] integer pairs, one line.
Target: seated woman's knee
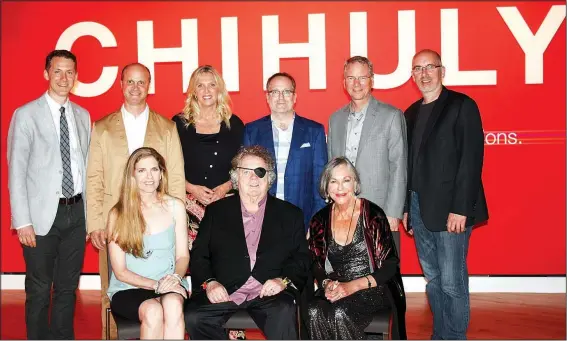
{"points": [[339, 313], [172, 308], [151, 312], [315, 310]]}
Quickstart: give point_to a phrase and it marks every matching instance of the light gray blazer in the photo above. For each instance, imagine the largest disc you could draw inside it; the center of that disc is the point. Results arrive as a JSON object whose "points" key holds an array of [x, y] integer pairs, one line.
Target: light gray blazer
{"points": [[382, 153], [34, 163]]}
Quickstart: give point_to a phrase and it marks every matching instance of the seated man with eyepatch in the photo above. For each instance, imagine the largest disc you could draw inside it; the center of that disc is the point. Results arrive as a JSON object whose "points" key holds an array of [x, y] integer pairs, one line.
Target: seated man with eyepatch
{"points": [[250, 253]]}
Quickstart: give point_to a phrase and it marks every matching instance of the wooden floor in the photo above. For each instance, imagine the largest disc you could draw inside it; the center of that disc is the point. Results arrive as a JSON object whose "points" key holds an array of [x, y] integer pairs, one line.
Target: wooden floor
{"points": [[493, 316]]}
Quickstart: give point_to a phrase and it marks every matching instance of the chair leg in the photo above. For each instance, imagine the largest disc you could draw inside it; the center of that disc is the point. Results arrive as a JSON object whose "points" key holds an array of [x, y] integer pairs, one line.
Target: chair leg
{"points": [[298, 318], [108, 323]]}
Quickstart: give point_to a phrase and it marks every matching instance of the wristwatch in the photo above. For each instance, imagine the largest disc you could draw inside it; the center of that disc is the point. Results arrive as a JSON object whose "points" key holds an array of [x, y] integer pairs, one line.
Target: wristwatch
{"points": [[205, 283], [286, 281]]}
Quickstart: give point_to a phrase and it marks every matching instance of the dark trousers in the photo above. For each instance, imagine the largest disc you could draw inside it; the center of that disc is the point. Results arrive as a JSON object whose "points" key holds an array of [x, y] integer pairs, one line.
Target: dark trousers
{"points": [[57, 259], [274, 315]]}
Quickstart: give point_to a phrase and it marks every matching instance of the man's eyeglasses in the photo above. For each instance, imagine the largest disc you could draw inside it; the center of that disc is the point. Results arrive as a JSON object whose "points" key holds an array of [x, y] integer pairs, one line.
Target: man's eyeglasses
{"points": [[361, 79], [428, 68], [276, 93], [260, 171]]}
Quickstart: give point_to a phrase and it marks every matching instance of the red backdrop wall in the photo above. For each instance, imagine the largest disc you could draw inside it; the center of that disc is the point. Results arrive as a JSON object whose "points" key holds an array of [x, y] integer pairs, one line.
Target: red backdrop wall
{"points": [[523, 107]]}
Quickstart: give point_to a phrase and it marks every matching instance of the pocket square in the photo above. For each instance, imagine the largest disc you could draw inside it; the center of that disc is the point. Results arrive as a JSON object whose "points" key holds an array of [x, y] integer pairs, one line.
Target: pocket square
{"points": [[305, 145]]}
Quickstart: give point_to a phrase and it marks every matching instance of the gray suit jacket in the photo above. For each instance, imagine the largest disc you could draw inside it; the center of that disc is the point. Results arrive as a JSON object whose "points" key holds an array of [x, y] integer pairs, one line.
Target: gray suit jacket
{"points": [[34, 163], [382, 153]]}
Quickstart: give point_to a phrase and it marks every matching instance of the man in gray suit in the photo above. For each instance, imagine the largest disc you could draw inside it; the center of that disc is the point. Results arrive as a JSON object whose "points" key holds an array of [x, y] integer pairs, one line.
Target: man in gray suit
{"points": [[372, 135], [48, 141]]}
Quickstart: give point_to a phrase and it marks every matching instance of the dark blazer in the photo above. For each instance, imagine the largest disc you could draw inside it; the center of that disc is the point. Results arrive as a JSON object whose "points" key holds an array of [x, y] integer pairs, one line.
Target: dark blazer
{"points": [[449, 162], [307, 157], [220, 250]]}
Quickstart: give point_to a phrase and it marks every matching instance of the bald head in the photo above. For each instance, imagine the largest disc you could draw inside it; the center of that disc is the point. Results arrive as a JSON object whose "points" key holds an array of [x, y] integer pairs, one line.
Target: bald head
{"points": [[428, 74], [137, 65], [135, 83], [433, 55]]}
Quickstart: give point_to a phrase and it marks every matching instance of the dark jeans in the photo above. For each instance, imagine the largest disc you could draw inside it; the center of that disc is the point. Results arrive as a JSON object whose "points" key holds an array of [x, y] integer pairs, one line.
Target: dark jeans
{"points": [[57, 259], [443, 259], [274, 315]]}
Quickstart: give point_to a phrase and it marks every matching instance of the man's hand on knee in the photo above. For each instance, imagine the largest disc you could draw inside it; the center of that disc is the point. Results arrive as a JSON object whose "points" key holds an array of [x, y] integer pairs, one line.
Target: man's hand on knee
{"points": [[272, 287], [216, 292]]}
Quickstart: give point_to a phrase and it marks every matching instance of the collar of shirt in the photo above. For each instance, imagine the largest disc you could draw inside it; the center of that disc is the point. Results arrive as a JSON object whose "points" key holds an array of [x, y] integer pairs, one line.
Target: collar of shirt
{"points": [[358, 115], [261, 206], [128, 117], [54, 107], [288, 127]]}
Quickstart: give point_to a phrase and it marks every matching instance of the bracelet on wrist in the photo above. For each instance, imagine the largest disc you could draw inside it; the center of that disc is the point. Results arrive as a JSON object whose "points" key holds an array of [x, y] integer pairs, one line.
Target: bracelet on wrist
{"points": [[156, 286], [179, 278], [205, 283], [369, 283]]}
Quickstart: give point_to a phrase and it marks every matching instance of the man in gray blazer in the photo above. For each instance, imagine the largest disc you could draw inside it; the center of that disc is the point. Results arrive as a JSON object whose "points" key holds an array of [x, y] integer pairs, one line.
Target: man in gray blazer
{"points": [[372, 135], [48, 141]]}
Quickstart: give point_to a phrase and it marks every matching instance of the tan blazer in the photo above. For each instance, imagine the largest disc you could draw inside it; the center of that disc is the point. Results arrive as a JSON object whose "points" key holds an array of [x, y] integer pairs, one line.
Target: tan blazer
{"points": [[108, 154]]}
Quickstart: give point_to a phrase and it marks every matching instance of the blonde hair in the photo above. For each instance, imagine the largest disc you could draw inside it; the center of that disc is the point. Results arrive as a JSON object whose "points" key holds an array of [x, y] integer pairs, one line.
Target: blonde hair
{"points": [[128, 232], [192, 110]]}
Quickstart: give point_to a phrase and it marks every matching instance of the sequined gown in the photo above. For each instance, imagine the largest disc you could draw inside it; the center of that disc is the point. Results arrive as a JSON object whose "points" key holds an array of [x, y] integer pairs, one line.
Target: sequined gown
{"points": [[347, 318]]}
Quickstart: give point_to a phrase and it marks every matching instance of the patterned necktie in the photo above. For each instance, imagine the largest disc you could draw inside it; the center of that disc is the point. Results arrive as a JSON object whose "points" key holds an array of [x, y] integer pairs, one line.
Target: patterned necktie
{"points": [[67, 184]]}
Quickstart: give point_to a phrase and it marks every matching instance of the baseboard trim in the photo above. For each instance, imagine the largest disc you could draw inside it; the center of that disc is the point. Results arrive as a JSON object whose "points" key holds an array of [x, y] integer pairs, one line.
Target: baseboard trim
{"points": [[411, 283]]}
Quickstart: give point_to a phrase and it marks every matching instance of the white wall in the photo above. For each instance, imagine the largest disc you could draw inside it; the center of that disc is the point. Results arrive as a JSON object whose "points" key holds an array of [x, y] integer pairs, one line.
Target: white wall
{"points": [[411, 284]]}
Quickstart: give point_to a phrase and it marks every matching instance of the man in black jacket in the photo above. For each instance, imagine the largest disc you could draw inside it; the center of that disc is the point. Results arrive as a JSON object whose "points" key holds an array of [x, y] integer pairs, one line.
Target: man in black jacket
{"points": [[445, 193], [250, 252]]}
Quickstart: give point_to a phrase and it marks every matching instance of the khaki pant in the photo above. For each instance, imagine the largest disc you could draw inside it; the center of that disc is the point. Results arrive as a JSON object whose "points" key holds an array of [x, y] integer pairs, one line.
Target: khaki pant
{"points": [[103, 270]]}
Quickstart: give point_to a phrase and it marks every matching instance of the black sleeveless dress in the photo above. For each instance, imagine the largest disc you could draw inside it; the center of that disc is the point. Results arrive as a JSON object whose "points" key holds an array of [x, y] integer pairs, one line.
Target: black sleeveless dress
{"points": [[347, 318]]}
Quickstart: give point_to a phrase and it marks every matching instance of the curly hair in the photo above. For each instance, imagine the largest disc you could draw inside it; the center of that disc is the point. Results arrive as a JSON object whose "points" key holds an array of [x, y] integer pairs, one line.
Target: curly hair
{"points": [[257, 151]]}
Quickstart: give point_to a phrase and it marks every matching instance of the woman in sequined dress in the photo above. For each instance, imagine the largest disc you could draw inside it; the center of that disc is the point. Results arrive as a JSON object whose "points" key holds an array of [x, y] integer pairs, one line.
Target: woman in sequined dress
{"points": [[355, 261]]}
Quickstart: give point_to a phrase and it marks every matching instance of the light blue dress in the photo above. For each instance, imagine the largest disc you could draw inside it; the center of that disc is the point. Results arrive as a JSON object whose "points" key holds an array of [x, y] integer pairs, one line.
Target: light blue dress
{"points": [[159, 252]]}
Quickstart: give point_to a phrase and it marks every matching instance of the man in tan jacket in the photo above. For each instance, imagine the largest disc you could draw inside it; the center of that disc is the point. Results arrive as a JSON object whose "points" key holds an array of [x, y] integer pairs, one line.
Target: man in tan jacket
{"points": [[113, 139]]}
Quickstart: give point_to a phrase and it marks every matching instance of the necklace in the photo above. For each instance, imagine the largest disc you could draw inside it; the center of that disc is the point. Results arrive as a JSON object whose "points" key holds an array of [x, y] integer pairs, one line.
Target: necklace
{"points": [[349, 225]]}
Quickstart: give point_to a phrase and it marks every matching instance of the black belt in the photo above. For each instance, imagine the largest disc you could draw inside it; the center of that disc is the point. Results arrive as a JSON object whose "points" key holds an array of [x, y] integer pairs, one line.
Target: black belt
{"points": [[71, 200]]}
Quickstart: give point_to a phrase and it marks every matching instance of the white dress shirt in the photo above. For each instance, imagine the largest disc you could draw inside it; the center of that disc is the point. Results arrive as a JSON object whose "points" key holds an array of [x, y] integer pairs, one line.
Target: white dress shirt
{"points": [[135, 128], [75, 151], [282, 143]]}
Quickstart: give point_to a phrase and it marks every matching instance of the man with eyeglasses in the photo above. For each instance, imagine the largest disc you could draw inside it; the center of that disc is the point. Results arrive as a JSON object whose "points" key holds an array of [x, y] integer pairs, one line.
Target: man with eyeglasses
{"points": [[296, 143], [250, 253], [372, 135], [445, 193]]}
